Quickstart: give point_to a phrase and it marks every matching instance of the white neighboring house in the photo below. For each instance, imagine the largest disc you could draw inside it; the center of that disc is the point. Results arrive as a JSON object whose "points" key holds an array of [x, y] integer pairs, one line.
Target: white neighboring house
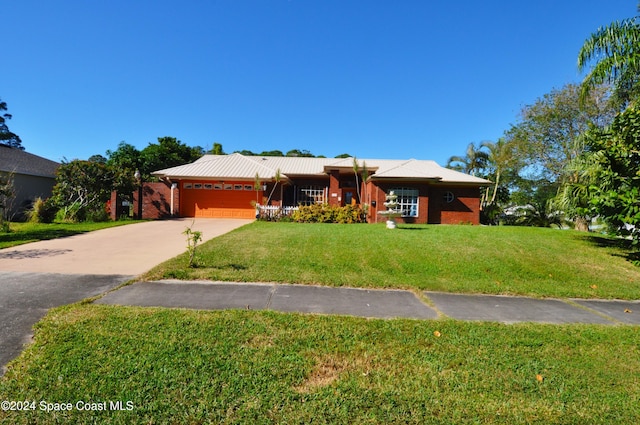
{"points": [[33, 176]]}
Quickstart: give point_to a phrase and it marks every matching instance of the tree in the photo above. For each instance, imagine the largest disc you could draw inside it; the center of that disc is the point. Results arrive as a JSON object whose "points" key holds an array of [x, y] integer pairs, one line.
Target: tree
{"points": [[539, 214], [501, 159], [613, 171], [7, 194], [615, 49], [246, 152], [7, 137], [300, 153], [271, 153], [124, 162], [217, 149], [82, 188], [574, 195], [546, 135], [97, 158], [126, 158], [168, 152], [474, 161]]}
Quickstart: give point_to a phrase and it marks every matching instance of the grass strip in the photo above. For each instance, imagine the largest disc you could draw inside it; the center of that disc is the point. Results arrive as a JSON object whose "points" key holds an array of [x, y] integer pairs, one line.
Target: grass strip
{"points": [[176, 366]]}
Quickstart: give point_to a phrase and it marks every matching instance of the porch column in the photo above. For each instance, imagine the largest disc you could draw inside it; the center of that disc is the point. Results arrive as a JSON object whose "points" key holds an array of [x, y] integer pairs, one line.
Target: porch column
{"points": [[335, 194]]}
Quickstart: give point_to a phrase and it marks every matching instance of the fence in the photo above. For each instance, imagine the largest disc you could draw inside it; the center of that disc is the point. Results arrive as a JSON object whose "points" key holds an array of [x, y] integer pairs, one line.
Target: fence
{"points": [[274, 212]]}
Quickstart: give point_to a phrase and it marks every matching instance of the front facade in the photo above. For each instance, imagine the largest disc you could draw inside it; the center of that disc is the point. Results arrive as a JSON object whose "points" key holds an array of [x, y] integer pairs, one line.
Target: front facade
{"points": [[232, 185]]}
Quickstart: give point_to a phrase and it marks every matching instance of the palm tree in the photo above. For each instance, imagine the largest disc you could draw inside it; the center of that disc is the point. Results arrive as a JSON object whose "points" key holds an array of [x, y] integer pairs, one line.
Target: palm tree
{"points": [[501, 158], [473, 162], [616, 51], [539, 214], [575, 193]]}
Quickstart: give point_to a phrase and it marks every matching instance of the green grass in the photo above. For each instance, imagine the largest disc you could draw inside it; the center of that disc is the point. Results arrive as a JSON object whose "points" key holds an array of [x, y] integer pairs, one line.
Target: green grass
{"points": [[474, 259], [22, 233], [197, 367]]}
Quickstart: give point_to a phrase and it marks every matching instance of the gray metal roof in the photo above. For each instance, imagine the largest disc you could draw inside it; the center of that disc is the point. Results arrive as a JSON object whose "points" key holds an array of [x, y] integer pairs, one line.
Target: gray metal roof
{"points": [[17, 161], [237, 166]]}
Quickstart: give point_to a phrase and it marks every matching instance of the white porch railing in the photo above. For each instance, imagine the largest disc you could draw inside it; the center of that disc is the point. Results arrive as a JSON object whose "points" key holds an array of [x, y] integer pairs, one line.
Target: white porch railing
{"points": [[274, 211]]}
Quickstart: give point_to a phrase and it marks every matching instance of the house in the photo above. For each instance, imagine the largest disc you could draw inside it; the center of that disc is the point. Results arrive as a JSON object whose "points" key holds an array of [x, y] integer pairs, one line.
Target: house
{"points": [[231, 186], [33, 176]]}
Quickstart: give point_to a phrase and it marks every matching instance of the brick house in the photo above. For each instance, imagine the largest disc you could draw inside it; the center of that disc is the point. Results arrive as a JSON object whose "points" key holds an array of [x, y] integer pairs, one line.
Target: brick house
{"points": [[225, 186]]}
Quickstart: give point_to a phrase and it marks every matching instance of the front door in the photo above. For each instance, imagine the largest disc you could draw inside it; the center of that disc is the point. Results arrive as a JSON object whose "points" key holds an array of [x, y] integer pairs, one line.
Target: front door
{"points": [[349, 197]]}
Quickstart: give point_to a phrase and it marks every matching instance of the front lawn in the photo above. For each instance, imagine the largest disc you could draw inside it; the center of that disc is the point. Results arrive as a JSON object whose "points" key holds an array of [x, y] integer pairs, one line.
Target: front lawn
{"points": [[196, 367], [22, 233], [474, 259]]}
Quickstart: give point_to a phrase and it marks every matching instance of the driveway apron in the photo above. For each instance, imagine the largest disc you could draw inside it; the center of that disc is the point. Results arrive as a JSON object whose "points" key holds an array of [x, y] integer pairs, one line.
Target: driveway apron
{"points": [[38, 276]]}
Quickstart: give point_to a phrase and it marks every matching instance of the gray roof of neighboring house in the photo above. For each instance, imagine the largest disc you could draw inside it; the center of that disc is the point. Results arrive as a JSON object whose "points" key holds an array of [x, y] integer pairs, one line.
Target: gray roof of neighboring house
{"points": [[237, 166], [17, 161]]}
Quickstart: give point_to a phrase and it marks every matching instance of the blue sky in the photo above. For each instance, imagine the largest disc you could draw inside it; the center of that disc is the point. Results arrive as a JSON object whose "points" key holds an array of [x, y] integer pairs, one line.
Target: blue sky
{"points": [[375, 79]]}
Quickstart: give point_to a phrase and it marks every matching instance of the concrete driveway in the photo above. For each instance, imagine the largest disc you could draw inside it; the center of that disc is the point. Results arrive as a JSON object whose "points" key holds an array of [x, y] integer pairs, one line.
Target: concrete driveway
{"points": [[38, 276], [125, 250]]}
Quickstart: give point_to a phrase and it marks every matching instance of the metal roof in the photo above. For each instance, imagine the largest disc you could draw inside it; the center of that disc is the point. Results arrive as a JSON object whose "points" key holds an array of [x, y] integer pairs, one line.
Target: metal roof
{"points": [[237, 166]]}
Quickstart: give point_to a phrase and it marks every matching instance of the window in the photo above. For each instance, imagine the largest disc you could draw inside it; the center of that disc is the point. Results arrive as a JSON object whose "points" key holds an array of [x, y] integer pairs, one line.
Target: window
{"points": [[311, 195], [197, 185], [449, 197], [187, 186], [217, 186], [228, 186], [237, 187], [248, 187], [407, 201], [208, 186]]}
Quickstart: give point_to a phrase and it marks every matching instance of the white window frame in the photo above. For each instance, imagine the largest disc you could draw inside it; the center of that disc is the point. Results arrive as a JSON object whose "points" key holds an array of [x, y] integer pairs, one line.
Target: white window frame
{"points": [[317, 193], [408, 200]]}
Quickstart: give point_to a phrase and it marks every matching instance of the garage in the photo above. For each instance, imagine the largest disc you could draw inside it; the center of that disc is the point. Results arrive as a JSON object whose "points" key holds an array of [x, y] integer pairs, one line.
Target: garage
{"points": [[218, 199]]}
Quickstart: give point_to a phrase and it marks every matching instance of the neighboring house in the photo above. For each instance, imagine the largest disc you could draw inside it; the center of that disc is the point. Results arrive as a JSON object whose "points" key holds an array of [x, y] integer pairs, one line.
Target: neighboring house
{"points": [[225, 186], [32, 175]]}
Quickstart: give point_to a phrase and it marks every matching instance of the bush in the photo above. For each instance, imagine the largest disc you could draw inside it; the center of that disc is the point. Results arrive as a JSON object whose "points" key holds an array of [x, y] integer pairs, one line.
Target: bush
{"points": [[42, 211], [97, 216], [73, 213], [324, 213]]}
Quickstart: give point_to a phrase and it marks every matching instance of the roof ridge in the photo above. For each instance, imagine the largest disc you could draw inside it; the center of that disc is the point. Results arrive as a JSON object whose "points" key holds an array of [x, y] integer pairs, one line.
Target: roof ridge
{"points": [[256, 162]]}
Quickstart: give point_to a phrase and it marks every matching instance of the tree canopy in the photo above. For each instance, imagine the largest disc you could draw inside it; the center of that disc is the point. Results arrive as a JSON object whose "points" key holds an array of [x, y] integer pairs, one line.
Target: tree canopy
{"points": [[6, 136], [611, 166], [547, 132], [614, 51]]}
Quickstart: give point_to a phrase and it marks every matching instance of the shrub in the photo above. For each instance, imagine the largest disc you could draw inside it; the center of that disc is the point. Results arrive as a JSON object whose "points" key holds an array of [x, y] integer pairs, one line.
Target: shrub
{"points": [[97, 216], [71, 214], [42, 211], [324, 213]]}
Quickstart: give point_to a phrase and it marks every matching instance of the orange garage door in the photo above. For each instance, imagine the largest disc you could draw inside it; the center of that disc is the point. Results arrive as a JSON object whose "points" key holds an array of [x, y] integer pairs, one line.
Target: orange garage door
{"points": [[217, 201]]}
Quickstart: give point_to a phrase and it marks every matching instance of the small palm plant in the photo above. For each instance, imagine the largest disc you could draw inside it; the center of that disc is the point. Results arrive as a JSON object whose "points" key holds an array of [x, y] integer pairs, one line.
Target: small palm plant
{"points": [[193, 238]]}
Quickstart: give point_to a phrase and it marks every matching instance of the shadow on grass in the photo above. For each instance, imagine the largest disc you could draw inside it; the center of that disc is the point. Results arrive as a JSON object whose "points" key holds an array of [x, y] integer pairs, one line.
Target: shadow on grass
{"points": [[14, 238], [185, 273], [410, 227], [624, 247]]}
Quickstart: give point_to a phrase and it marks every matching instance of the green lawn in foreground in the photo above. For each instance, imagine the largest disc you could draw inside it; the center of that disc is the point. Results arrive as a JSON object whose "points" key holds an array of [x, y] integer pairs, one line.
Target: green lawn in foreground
{"points": [[476, 259], [22, 233], [194, 367]]}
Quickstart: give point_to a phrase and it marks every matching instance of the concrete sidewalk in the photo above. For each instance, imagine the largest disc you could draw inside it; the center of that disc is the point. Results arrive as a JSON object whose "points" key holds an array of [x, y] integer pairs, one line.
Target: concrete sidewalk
{"points": [[371, 303]]}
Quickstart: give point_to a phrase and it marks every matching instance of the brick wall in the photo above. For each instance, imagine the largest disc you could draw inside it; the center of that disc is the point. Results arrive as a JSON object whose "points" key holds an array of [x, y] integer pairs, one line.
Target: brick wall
{"points": [[156, 201], [455, 205], [432, 205]]}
